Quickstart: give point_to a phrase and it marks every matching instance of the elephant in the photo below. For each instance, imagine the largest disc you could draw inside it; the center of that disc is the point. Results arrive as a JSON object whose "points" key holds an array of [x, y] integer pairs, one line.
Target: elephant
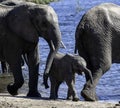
{"points": [[97, 41], [21, 26], [63, 68], [4, 67], [11, 2], [4, 64]]}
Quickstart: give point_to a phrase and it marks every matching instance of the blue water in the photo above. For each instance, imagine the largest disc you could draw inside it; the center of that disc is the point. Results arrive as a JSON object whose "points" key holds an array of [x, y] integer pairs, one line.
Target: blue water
{"points": [[69, 14]]}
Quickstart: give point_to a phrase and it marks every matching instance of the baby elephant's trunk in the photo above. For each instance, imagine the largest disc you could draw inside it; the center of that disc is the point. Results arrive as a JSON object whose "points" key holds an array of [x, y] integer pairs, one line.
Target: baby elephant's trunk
{"points": [[88, 73], [45, 81]]}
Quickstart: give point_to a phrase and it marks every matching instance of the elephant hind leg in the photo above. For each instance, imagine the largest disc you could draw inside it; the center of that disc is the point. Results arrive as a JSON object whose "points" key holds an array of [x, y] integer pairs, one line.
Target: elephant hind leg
{"points": [[71, 90], [98, 69]]}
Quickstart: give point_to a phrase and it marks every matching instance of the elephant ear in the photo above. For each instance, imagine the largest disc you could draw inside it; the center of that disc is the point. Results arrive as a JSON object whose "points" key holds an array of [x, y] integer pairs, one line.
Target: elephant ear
{"points": [[20, 24]]}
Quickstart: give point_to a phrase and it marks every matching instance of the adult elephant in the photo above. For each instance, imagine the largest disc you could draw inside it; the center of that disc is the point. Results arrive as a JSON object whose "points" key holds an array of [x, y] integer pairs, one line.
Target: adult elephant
{"points": [[11, 2], [20, 28], [4, 64], [98, 42]]}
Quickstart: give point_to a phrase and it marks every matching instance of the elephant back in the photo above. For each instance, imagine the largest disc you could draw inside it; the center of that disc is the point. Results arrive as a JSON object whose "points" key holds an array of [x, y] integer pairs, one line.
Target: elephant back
{"points": [[19, 23]]}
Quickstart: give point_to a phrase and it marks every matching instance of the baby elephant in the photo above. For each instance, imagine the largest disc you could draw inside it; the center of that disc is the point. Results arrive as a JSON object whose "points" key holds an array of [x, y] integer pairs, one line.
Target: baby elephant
{"points": [[63, 68]]}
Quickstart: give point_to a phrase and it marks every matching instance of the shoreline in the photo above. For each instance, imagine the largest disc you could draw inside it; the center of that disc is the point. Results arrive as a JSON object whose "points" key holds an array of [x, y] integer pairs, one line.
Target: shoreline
{"points": [[21, 101]]}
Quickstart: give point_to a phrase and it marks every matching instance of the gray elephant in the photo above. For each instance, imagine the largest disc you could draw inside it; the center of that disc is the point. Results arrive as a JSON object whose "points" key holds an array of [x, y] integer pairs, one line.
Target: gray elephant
{"points": [[98, 42], [4, 64], [11, 2], [20, 28], [63, 68], [4, 67]]}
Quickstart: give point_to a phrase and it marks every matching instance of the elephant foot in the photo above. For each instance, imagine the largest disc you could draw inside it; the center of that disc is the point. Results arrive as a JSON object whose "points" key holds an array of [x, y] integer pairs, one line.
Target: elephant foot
{"points": [[12, 90], [69, 98], [33, 94], [75, 99], [89, 95], [52, 97]]}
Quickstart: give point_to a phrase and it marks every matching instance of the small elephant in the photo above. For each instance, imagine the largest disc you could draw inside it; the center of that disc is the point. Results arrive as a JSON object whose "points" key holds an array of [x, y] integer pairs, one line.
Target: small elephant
{"points": [[63, 68], [98, 42]]}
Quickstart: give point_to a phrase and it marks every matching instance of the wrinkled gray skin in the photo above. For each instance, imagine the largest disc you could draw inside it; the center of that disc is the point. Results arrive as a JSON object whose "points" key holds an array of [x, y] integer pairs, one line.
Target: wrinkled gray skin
{"points": [[11, 2], [20, 28], [4, 65], [63, 68], [98, 42]]}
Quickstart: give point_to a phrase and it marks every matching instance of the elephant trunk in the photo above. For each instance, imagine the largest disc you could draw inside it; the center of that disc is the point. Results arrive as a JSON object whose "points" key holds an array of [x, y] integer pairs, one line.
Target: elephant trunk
{"points": [[88, 73], [75, 51], [54, 44], [45, 81]]}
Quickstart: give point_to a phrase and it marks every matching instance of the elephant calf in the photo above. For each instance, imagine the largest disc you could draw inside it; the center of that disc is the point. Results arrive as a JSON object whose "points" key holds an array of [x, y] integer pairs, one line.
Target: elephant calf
{"points": [[63, 68]]}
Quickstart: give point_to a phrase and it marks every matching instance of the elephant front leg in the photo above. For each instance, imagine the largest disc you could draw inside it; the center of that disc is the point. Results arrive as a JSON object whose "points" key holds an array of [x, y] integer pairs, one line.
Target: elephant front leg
{"points": [[53, 91], [71, 90], [33, 64], [15, 67], [69, 94], [57, 88]]}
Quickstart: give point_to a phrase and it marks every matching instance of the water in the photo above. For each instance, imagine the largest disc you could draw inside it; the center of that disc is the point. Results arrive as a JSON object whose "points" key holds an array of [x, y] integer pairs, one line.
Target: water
{"points": [[69, 13]]}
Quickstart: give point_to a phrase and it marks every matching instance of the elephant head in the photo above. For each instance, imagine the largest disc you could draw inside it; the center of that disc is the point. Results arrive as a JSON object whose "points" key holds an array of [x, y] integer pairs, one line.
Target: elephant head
{"points": [[79, 65], [29, 21]]}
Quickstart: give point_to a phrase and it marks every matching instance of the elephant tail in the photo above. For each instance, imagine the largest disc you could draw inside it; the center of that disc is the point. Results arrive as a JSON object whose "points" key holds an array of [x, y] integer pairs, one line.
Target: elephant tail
{"points": [[78, 38], [45, 81]]}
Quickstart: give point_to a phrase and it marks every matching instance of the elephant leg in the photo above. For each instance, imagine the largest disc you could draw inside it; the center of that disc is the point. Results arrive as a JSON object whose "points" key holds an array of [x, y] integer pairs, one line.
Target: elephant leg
{"points": [[56, 88], [53, 88], [69, 94], [33, 64], [4, 67], [71, 89], [15, 67], [89, 90]]}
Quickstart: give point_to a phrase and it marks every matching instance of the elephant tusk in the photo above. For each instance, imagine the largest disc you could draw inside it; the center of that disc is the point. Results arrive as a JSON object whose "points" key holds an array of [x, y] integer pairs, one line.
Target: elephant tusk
{"points": [[63, 45], [52, 45], [75, 50]]}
